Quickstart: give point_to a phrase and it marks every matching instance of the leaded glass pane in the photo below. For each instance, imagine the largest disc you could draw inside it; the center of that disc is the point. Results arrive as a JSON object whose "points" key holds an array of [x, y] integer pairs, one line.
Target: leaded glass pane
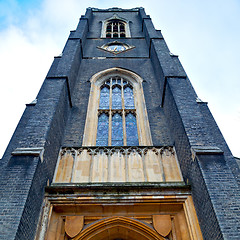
{"points": [[109, 28], [131, 130], [117, 130], [122, 27], [102, 130], [115, 27], [116, 98], [104, 98], [128, 98]]}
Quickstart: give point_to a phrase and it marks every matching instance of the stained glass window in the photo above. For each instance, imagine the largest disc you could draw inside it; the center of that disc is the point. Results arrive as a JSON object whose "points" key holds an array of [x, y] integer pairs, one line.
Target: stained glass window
{"points": [[117, 130], [104, 98], [116, 98], [131, 130], [116, 81], [102, 130], [128, 98], [123, 120]]}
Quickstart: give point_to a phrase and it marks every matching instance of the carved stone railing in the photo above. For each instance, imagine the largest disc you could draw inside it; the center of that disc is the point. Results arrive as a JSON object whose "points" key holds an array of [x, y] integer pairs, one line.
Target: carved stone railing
{"points": [[117, 164]]}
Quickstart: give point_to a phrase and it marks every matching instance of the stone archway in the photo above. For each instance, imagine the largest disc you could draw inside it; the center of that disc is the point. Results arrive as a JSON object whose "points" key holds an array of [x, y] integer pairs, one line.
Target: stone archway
{"points": [[116, 228]]}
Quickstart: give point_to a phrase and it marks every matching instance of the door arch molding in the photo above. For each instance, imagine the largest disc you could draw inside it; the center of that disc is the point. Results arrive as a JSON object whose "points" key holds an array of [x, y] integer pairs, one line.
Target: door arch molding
{"points": [[118, 228]]}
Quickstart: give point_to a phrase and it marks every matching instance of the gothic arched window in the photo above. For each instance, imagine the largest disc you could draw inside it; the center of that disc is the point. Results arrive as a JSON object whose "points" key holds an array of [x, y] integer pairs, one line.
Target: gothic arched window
{"points": [[117, 125], [115, 27], [117, 114]]}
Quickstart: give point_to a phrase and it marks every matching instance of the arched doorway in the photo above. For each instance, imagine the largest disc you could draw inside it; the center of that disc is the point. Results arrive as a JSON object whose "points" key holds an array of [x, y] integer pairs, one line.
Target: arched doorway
{"points": [[118, 228]]}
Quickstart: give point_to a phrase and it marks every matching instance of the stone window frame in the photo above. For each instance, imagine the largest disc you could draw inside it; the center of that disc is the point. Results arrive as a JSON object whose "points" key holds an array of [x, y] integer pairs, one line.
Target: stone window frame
{"points": [[91, 123], [115, 18]]}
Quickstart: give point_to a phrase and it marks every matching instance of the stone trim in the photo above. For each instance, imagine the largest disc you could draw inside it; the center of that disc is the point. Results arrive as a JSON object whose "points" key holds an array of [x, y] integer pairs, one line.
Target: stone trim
{"points": [[29, 152]]}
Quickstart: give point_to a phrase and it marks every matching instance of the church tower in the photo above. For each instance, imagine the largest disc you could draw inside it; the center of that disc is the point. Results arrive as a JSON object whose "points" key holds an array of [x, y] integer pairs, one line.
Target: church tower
{"points": [[117, 145]]}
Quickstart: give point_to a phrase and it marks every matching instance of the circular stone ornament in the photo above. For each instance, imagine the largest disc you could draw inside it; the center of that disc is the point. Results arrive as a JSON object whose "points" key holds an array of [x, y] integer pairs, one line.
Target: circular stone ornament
{"points": [[116, 47]]}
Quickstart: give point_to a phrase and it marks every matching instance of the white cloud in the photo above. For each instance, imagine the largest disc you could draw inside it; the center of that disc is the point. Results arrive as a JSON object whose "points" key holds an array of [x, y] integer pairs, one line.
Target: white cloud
{"points": [[27, 48]]}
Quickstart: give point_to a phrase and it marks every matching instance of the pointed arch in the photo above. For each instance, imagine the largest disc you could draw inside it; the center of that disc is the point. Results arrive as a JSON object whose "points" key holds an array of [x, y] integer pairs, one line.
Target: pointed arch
{"points": [[119, 227], [100, 77], [119, 81], [122, 27]]}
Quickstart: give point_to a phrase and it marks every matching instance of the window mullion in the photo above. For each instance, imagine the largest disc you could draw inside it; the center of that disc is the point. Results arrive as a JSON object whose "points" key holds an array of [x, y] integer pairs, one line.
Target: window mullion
{"points": [[124, 129], [123, 116], [118, 29], [112, 31], [110, 129], [110, 116]]}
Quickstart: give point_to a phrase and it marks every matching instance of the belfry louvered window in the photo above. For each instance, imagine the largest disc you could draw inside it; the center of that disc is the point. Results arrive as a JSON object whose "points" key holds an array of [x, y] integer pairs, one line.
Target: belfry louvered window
{"points": [[115, 29], [117, 125]]}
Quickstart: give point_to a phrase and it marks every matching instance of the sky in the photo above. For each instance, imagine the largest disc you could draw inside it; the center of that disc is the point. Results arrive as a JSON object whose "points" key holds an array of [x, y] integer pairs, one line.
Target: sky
{"points": [[204, 34]]}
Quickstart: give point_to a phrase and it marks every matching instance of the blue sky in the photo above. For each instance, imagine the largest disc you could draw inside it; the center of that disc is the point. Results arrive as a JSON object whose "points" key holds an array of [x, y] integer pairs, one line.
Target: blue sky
{"points": [[15, 12], [205, 35]]}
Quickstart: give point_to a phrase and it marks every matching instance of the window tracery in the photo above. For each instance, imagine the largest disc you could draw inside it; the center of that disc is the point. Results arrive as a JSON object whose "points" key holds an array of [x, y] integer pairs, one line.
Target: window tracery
{"points": [[115, 29], [117, 110]]}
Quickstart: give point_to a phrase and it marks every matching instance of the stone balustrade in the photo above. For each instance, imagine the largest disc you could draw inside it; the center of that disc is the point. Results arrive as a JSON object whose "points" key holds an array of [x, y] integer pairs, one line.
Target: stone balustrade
{"points": [[117, 164]]}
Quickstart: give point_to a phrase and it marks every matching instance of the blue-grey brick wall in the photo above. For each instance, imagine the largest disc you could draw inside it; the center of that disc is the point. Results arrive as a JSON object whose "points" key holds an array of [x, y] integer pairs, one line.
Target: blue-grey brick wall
{"points": [[203, 191], [23, 178], [219, 140]]}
